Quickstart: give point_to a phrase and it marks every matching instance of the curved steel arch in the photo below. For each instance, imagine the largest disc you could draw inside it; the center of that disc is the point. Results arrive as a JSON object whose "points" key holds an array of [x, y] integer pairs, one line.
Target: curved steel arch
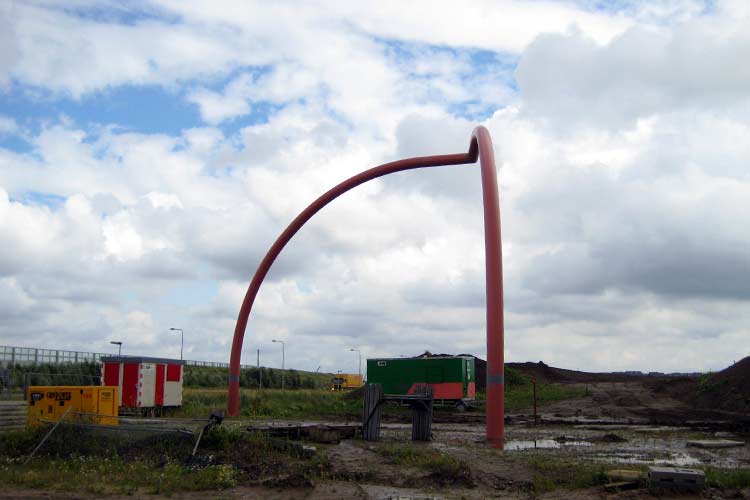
{"points": [[480, 147]]}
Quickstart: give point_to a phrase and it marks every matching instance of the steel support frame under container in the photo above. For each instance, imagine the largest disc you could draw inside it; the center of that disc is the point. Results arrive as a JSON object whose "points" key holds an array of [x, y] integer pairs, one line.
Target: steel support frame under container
{"points": [[480, 147]]}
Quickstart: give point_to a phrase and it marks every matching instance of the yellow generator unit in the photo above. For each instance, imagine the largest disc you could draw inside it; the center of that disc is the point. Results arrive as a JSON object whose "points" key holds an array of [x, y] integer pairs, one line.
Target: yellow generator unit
{"points": [[83, 403], [344, 381]]}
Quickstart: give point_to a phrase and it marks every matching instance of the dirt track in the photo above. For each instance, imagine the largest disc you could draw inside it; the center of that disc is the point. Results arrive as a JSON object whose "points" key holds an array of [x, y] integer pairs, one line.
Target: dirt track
{"points": [[618, 400], [641, 402]]}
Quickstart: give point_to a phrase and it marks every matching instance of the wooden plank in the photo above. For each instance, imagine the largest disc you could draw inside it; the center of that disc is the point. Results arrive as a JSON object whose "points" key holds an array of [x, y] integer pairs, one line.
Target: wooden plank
{"points": [[371, 412], [421, 414]]}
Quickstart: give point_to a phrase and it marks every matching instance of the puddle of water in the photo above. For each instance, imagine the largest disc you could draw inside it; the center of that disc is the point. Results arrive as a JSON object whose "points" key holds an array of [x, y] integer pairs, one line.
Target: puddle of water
{"points": [[518, 445], [662, 428], [674, 459], [393, 493]]}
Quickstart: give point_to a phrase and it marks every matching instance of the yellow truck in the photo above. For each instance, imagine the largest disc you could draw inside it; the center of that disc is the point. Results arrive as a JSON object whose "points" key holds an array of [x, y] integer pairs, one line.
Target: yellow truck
{"points": [[79, 403], [344, 381]]}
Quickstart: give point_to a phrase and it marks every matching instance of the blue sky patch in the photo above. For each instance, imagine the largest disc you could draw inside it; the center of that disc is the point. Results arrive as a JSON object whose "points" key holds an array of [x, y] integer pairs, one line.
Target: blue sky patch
{"points": [[119, 13], [260, 113], [145, 109], [35, 198]]}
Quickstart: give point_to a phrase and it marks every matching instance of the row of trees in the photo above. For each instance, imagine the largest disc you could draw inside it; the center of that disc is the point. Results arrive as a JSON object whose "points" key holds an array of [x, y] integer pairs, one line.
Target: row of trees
{"points": [[89, 373]]}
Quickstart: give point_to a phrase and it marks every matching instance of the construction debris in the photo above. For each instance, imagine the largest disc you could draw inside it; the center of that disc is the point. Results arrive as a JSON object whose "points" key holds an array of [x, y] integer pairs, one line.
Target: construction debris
{"points": [[673, 477], [715, 443]]}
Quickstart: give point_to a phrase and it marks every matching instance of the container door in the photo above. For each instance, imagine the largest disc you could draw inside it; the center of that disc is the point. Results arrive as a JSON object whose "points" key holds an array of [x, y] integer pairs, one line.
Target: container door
{"points": [[173, 386], [130, 385], [147, 386], [107, 406], [112, 374], [159, 388]]}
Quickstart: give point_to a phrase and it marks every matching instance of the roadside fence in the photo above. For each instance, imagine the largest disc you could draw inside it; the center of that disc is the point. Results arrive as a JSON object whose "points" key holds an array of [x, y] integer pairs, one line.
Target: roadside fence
{"points": [[12, 355]]}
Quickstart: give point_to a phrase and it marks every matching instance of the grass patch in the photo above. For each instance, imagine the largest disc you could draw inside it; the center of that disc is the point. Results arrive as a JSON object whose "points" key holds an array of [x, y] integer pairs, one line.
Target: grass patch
{"points": [[82, 460], [311, 403], [552, 473], [521, 397], [728, 478], [251, 377], [272, 403], [519, 392], [707, 383], [443, 469], [101, 476]]}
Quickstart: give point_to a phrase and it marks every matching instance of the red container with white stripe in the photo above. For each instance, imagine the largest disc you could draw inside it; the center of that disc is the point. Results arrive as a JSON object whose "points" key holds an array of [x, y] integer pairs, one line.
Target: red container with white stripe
{"points": [[144, 382]]}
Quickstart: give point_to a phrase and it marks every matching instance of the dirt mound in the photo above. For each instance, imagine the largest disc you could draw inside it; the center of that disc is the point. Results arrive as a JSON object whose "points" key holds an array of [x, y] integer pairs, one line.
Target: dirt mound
{"points": [[728, 389], [549, 374], [542, 372]]}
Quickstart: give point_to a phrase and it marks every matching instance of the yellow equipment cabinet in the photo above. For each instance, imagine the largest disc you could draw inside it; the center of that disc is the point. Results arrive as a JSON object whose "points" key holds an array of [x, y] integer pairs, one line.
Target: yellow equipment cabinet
{"points": [[344, 381], [88, 404]]}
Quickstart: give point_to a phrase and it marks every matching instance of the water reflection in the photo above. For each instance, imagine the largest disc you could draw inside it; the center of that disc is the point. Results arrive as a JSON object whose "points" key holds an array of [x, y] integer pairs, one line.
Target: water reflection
{"points": [[517, 445]]}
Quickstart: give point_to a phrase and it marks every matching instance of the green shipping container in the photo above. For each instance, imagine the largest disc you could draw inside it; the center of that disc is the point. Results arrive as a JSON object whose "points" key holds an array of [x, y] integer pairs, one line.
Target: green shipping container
{"points": [[452, 378]]}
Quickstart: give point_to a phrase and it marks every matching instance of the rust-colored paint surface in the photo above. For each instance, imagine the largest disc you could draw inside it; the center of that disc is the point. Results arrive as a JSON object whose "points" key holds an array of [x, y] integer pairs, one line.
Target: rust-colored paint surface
{"points": [[443, 390]]}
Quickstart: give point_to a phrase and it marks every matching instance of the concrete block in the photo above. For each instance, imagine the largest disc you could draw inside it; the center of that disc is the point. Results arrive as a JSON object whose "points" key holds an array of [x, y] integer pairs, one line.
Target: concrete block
{"points": [[670, 477]]}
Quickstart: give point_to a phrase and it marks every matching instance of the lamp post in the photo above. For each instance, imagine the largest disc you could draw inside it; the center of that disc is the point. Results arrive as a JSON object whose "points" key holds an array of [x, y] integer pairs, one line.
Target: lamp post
{"points": [[182, 339], [119, 347], [282, 361], [360, 359]]}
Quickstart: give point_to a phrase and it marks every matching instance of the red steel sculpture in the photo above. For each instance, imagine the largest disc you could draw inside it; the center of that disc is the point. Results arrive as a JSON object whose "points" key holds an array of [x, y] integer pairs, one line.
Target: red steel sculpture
{"points": [[480, 147]]}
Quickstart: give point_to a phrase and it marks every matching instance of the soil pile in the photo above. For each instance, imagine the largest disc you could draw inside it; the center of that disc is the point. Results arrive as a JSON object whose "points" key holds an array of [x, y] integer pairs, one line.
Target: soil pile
{"points": [[549, 374], [728, 389], [543, 373]]}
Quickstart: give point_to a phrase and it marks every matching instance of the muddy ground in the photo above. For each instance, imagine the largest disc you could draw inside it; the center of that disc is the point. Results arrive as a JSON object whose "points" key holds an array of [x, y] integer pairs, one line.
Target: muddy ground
{"points": [[623, 425], [647, 401]]}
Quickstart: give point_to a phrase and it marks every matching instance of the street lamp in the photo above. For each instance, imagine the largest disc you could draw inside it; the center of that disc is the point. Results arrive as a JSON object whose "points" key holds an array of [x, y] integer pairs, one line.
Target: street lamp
{"points": [[360, 359], [119, 347], [182, 339], [282, 361]]}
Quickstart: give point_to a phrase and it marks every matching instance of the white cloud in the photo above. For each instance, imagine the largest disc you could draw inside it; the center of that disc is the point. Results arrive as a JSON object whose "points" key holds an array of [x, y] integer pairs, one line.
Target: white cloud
{"points": [[571, 79], [8, 44], [216, 107], [7, 125], [622, 159]]}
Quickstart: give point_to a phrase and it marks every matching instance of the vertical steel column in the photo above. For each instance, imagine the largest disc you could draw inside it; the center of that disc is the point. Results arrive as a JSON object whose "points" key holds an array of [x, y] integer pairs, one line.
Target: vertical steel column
{"points": [[480, 147], [494, 286]]}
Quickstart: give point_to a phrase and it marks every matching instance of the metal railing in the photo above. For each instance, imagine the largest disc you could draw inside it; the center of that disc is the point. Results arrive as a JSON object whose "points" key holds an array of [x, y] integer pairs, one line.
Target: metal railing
{"points": [[13, 355]]}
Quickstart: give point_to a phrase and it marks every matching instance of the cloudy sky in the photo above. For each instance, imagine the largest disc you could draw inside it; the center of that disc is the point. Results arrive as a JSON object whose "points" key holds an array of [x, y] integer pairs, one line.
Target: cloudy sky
{"points": [[150, 154]]}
